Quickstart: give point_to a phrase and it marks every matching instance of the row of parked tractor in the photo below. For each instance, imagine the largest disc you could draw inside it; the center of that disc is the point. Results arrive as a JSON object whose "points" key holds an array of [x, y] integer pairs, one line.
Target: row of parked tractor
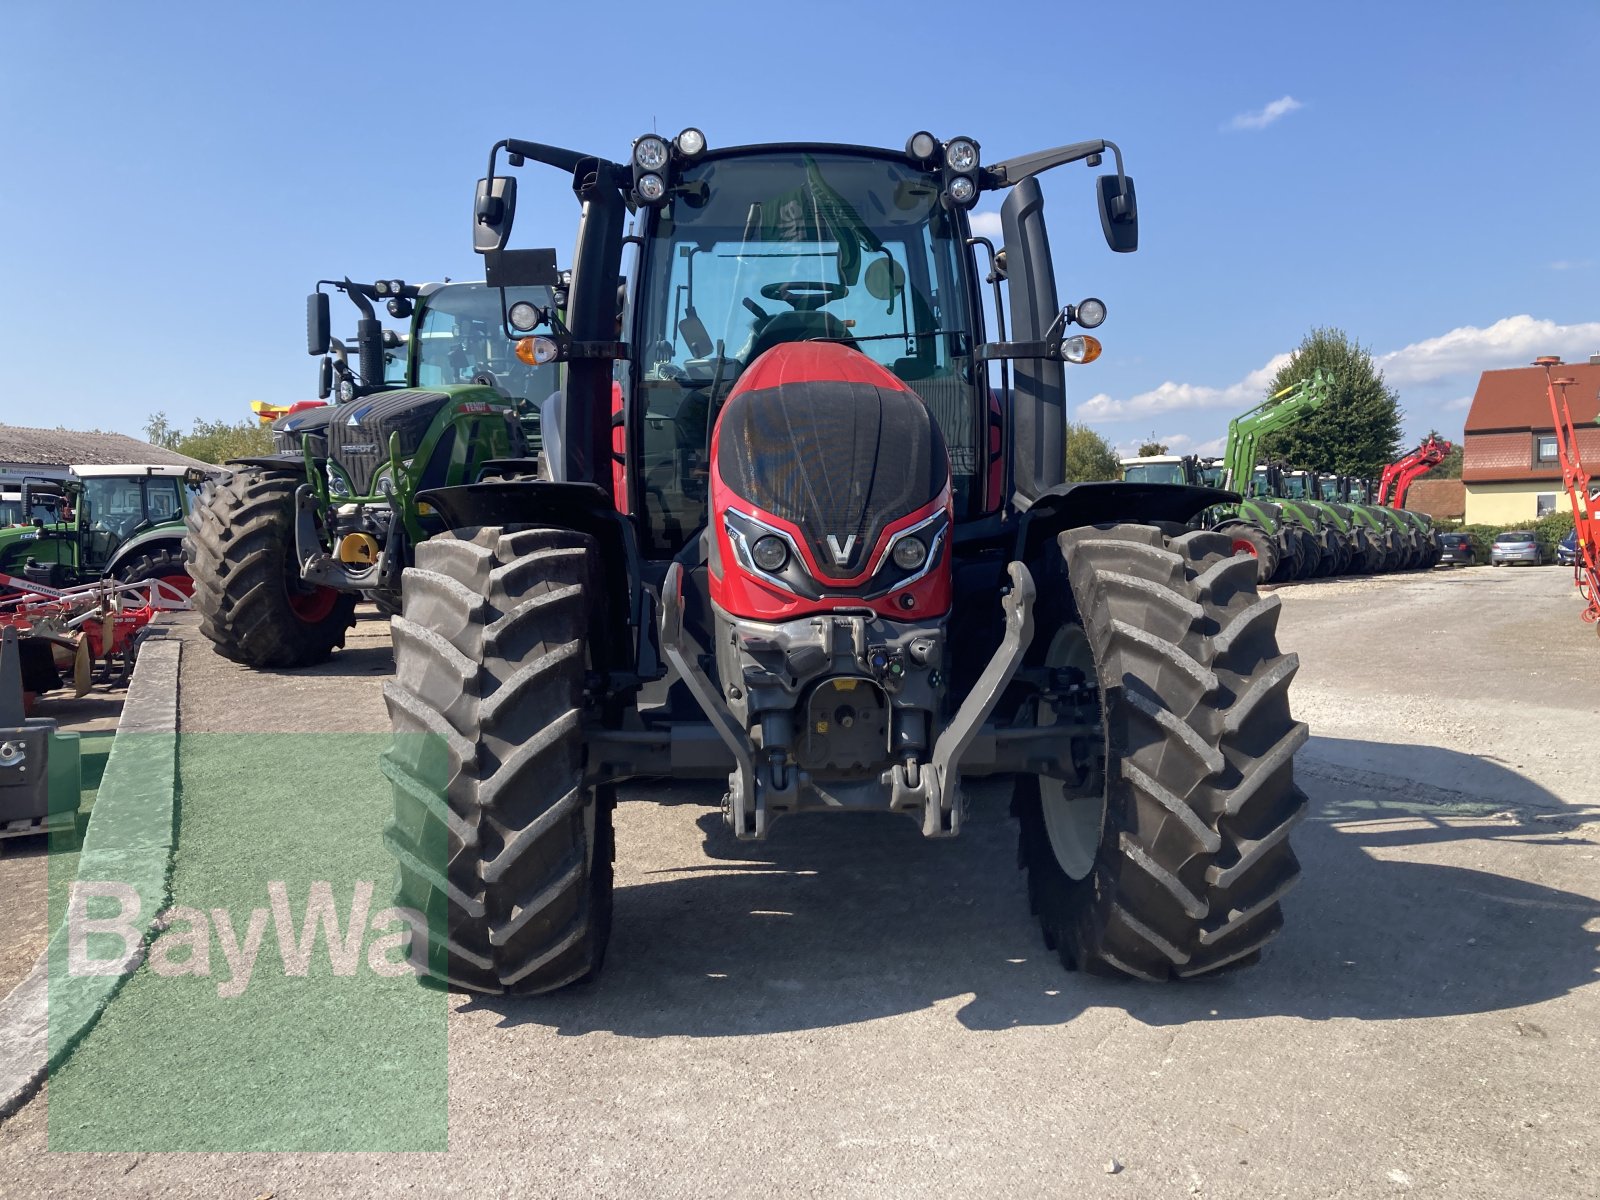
{"points": [[1301, 524]]}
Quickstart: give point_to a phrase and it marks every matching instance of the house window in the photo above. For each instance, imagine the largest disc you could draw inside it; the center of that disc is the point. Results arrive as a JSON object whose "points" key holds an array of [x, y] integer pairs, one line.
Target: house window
{"points": [[1544, 448], [1545, 504]]}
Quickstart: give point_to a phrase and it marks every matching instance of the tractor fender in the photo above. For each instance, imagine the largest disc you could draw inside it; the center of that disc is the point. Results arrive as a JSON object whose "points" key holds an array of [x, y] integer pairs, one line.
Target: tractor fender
{"points": [[1072, 505], [290, 463], [628, 646], [163, 537]]}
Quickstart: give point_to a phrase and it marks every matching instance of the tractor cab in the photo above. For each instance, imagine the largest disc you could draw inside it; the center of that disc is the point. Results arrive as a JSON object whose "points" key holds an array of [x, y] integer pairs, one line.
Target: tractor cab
{"points": [[1160, 468]]}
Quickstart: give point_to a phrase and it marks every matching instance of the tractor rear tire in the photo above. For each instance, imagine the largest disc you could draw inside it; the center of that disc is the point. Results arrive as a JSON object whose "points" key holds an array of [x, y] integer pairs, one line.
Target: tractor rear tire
{"points": [[500, 843], [1255, 541], [1310, 559], [165, 565], [240, 553], [1197, 794]]}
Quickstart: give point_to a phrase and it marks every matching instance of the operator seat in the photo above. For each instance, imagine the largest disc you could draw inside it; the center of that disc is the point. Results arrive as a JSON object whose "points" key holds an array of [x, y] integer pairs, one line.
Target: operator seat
{"points": [[799, 326]]}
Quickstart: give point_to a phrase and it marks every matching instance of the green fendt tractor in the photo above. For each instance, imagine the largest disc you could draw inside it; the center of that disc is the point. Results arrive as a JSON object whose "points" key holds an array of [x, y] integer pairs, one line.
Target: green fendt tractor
{"points": [[1288, 538], [1347, 547], [1384, 539], [282, 547], [123, 521]]}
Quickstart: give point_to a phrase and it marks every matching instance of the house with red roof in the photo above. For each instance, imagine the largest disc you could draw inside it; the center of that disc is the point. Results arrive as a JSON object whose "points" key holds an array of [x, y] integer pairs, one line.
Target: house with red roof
{"points": [[1509, 466]]}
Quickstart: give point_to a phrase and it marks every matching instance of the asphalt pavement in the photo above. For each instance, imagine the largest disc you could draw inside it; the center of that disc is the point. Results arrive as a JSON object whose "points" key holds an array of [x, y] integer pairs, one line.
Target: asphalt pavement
{"points": [[847, 1009]]}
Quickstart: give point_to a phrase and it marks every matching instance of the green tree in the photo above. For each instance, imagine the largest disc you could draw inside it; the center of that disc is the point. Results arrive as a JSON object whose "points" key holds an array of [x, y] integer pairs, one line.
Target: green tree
{"points": [[1090, 456], [210, 441], [1357, 432], [1152, 447]]}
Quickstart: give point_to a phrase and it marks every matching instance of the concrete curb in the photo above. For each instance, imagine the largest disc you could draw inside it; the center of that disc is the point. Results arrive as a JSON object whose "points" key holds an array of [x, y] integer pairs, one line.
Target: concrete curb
{"points": [[129, 841]]}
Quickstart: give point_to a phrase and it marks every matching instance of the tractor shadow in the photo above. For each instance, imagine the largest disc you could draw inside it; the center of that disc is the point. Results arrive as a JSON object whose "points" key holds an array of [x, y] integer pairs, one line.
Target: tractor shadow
{"points": [[842, 919]]}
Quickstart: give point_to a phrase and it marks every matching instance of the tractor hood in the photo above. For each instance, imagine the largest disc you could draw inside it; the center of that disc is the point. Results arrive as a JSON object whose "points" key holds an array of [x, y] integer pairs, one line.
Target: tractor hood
{"points": [[824, 439]]}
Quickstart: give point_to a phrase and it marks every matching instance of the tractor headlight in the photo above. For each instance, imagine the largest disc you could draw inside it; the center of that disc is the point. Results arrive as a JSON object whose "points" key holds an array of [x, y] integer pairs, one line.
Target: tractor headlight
{"points": [[651, 188], [524, 317], [910, 552], [922, 144], [338, 484], [691, 143], [381, 287], [347, 391], [961, 154], [1080, 349], [538, 351], [650, 153], [1091, 314], [962, 189], [769, 552]]}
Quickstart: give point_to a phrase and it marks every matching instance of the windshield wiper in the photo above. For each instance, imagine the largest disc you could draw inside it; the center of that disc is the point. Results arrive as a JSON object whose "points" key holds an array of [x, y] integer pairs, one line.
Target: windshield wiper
{"points": [[879, 337]]}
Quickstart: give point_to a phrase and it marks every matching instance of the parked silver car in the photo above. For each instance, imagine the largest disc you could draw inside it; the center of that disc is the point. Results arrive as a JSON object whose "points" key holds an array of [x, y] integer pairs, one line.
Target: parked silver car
{"points": [[1518, 546]]}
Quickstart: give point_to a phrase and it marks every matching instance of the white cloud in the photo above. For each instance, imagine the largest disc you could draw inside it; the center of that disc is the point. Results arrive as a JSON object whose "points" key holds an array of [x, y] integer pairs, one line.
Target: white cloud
{"points": [[1571, 264], [1182, 397], [1461, 353], [986, 224], [1509, 342], [1260, 119]]}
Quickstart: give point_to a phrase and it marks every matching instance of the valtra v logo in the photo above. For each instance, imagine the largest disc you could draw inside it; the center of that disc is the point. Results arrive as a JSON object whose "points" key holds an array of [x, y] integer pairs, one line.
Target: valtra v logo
{"points": [[841, 554]]}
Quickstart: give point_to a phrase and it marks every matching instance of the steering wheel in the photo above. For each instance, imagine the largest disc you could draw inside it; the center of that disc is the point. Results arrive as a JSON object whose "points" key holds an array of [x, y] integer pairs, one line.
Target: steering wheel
{"points": [[805, 295]]}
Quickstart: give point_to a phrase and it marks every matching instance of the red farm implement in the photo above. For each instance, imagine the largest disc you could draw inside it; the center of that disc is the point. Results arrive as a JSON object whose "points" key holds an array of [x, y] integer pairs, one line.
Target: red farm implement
{"points": [[1581, 490], [98, 623], [1401, 474]]}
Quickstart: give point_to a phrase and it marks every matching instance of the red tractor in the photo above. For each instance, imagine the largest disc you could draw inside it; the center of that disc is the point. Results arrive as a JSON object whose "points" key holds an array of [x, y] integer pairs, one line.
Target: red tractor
{"points": [[849, 573]]}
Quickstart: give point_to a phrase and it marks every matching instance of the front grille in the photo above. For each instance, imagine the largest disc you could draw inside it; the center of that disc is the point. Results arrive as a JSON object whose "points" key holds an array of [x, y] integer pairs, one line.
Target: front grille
{"points": [[359, 440]]}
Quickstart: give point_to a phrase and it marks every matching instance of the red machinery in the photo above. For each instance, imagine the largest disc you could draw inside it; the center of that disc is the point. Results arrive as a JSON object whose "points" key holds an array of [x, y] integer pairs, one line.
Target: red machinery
{"points": [[98, 621], [1401, 474], [1581, 491]]}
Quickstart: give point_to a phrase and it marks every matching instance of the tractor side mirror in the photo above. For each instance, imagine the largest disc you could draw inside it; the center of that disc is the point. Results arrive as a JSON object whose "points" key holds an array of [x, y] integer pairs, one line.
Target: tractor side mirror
{"points": [[1119, 213], [325, 379], [318, 323], [492, 213]]}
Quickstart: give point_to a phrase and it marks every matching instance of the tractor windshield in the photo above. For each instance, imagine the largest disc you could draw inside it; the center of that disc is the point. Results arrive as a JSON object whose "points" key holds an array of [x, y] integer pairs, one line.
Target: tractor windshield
{"points": [[116, 507], [1294, 487], [763, 248], [1330, 488], [461, 337], [1154, 473]]}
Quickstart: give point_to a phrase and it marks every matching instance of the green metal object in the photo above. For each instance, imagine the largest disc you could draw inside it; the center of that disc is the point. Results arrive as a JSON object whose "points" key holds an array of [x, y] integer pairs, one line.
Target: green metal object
{"points": [[455, 346], [118, 518], [1299, 530]]}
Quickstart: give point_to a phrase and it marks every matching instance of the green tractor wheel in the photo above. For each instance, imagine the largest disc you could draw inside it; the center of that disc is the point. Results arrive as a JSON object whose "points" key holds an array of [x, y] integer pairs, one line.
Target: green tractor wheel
{"points": [[253, 605]]}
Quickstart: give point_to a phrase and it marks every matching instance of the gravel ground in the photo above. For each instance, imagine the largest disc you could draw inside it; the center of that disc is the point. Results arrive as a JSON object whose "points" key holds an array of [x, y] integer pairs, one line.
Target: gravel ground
{"points": [[850, 1010]]}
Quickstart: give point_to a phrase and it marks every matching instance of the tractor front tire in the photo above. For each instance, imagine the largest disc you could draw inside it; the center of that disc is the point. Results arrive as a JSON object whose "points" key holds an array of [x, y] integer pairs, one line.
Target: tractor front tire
{"points": [[165, 565], [1196, 794], [1255, 541], [240, 552], [500, 843]]}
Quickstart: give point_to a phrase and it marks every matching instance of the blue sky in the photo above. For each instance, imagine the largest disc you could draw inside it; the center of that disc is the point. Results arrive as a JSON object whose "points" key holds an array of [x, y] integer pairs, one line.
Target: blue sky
{"points": [[174, 177]]}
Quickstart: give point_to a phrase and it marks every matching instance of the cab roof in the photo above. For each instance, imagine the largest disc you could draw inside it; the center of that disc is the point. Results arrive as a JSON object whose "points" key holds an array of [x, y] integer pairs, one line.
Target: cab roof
{"points": [[98, 470]]}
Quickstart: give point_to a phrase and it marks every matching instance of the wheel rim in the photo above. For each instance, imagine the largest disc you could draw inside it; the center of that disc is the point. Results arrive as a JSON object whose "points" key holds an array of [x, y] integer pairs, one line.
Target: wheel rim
{"points": [[178, 583], [1245, 546], [1074, 821], [313, 606]]}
